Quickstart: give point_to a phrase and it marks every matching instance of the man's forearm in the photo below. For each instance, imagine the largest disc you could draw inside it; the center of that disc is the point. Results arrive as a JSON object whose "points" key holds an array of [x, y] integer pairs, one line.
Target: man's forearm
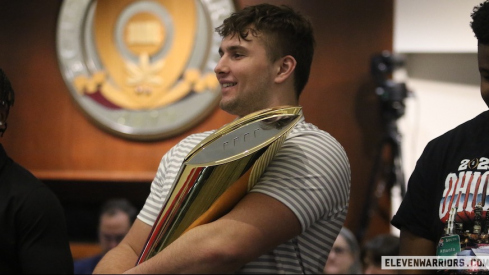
{"points": [[116, 261], [197, 251]]}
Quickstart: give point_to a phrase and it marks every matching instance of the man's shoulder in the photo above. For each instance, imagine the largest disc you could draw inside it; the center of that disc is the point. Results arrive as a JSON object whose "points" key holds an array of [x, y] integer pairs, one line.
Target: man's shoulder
{"points": [[196, 137], [308, 132], [472, 130], [190, 141], [481, 120], [19, 177], [19, 185], [307, 128]]}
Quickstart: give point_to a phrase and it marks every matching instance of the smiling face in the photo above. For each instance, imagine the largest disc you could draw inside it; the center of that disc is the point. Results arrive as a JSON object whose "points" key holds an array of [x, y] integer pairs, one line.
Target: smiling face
{"points": [[483, 58], [246, 75]]}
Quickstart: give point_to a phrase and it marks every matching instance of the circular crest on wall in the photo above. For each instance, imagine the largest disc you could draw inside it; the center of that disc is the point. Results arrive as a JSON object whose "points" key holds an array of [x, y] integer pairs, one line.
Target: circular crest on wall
{"points": [[142, 70]]}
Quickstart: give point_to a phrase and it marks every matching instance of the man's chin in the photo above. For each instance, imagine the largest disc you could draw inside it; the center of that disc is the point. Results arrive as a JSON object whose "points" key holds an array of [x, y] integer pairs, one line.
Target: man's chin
{"points": [[228, 107]]}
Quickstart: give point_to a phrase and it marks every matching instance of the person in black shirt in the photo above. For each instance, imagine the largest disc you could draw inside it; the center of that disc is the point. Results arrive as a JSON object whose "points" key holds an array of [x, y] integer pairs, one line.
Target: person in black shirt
{"points": [[33, 231], [447, 192]]}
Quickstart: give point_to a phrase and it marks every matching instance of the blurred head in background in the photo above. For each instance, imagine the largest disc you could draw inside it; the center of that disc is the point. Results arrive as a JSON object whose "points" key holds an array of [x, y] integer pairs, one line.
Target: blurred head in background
{"points": [[374, 249], [344, 257], [116, 218]]}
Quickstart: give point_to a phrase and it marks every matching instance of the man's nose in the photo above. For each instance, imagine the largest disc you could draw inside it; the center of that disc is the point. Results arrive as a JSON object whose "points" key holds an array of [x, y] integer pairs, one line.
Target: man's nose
{"points": [[221, 66]]}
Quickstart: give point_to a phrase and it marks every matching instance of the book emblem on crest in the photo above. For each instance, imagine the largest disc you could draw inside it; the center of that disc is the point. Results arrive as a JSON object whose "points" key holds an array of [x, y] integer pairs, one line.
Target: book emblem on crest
{"points": [[141, 70]]}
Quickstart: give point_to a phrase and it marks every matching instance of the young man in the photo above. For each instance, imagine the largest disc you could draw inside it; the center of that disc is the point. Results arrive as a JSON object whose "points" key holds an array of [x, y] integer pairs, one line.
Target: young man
{"points": [[33, 233], [291, 217], [116, 218], [450, 180]]}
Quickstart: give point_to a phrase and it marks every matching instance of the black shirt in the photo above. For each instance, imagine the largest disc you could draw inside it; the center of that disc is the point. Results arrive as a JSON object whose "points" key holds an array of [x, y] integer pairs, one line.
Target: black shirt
{"points": [[33, 233], [452, 172]]}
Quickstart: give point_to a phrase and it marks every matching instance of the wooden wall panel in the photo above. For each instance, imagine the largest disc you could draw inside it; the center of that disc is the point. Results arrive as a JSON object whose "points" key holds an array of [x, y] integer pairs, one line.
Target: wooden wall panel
{"points": [[49, 135]]}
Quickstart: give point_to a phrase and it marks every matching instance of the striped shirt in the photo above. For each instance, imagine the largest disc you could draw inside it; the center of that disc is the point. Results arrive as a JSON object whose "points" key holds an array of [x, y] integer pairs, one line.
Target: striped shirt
{"points": [[310, 174]]}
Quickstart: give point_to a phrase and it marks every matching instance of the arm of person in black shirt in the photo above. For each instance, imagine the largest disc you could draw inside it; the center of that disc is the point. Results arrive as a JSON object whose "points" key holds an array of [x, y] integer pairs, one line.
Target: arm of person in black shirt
{"points": [[413, 245]]}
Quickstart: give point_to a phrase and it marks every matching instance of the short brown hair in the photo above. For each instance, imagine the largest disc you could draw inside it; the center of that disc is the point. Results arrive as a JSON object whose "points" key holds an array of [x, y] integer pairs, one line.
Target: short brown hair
{"points": [[288, 33]]}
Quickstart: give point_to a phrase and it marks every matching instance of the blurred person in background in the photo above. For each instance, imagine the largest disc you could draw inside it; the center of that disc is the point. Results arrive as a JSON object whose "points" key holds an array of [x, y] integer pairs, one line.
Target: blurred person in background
{"points": [[33, 230], [374, 249], [116, 218], [344, 257]]}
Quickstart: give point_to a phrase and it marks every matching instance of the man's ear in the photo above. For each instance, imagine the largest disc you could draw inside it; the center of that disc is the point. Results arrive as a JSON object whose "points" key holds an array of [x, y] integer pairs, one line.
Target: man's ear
{"points": [[286, 66]]}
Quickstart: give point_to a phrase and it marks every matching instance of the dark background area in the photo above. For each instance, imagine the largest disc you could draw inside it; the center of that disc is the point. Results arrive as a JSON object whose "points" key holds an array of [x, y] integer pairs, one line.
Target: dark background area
{"points": [[82, 201]]}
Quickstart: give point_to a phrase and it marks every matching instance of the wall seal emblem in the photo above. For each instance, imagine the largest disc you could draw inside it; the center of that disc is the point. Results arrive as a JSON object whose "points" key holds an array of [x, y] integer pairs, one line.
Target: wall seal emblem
{"points": [[142, 70]]}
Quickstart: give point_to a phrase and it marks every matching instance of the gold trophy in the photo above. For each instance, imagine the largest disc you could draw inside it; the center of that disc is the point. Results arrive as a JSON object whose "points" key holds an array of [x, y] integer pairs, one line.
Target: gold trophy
{"points": [[218, 172]]}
